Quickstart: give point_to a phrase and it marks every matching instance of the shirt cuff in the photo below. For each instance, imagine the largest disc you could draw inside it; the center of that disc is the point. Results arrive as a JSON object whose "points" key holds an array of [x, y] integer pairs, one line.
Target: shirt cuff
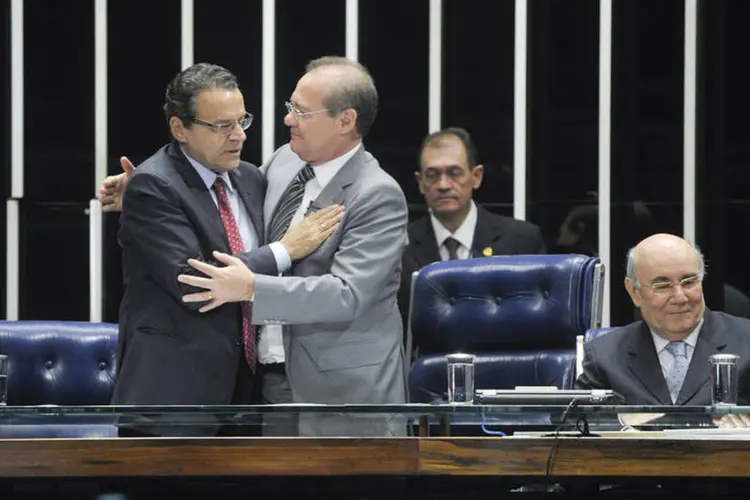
{"points": [[283, 261]]}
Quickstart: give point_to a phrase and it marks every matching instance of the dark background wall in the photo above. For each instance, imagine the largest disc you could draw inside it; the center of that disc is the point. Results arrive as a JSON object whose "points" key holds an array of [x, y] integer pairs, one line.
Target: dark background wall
{"points": [[648, 64]]}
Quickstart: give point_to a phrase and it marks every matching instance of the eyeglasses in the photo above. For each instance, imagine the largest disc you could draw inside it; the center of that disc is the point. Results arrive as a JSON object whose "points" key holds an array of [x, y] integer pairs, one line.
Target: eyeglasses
{"points": [[227, 127], [669, 287], [300, 115], [433, 175]]}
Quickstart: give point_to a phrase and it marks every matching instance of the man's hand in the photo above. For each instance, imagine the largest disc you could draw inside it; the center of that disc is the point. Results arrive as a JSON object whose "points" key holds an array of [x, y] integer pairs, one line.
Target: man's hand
{"points": [[233, 283], [113, 187], [305, 236]]}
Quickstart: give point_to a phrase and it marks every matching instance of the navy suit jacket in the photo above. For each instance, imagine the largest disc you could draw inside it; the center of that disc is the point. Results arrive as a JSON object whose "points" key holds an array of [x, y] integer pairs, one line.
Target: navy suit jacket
{"points": [[168, 352], [625, 361]]}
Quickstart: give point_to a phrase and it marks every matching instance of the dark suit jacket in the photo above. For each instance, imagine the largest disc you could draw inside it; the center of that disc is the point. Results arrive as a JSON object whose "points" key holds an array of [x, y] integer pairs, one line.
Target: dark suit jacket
{"points": [[625, 361], [505, 235], [168, 352]]}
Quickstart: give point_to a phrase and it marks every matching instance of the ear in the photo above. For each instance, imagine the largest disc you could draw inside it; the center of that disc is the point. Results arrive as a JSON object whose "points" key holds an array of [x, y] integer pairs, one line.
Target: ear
{"points": [[418, 176], [633, 292], [348, 120], [178, 129], [477, 174]]}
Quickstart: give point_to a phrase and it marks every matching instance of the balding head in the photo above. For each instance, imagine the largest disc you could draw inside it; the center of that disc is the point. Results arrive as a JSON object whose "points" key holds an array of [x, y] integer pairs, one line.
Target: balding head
{"points": [[659, 245], [664, 275]]}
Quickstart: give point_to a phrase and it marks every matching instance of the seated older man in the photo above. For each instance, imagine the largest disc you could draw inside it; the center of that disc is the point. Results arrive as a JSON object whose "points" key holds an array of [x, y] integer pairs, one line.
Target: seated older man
{"points": [[664, 359]]}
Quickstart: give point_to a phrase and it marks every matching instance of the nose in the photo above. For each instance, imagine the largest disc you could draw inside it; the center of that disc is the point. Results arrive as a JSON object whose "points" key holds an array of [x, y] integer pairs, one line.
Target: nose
{"points": [[679, 295], [444, 182], [238, 134], [289, 120]]}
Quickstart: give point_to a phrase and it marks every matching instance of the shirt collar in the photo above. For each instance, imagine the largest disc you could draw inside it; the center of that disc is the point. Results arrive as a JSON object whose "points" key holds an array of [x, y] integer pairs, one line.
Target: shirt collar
{"points": [[465, 232], [661, 343], [206, 174], [325, 171]]}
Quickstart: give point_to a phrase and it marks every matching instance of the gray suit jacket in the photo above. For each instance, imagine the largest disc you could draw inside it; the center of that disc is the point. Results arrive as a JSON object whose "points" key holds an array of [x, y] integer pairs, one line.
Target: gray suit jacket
{"points": [[343, 342], [625, 360]]}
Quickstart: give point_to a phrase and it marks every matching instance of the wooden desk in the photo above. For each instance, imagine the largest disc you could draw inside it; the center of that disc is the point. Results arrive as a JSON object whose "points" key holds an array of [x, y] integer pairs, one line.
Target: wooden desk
{"points": [[518, 457]]}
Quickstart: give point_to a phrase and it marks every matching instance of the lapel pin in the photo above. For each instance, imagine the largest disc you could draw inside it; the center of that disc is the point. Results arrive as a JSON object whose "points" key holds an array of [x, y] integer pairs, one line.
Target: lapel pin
{"points": [[487, 252]]}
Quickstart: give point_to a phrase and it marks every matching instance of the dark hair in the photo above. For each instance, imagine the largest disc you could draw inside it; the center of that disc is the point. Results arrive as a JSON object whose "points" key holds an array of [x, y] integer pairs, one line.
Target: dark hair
{"points": [[182, 92], [436, 138], [355, 90]]}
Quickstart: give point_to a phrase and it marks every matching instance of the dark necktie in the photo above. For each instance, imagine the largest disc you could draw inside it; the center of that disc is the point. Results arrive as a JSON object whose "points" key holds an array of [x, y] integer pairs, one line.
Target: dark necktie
{"points": [[452, 246], [235, 242], [288, 204]]}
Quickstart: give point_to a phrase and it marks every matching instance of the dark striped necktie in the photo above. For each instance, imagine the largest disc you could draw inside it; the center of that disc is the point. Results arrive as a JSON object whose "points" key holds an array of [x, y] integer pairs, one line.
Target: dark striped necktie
{"points": [[288, 204]]}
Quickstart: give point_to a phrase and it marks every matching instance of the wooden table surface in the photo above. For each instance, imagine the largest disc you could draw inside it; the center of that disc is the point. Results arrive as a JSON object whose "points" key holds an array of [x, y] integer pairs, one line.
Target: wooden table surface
{"points": [[574, 457]]}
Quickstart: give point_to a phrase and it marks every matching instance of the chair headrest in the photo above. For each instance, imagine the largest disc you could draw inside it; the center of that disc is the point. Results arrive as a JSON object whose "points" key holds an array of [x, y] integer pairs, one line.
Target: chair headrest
{"points": [[503, 302]]}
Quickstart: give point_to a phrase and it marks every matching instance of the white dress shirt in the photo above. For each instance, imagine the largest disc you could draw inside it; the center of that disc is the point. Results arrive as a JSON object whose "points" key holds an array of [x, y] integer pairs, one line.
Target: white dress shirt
{"points": [[666, 359], [241, 215], [464, 234], [271, 342]]}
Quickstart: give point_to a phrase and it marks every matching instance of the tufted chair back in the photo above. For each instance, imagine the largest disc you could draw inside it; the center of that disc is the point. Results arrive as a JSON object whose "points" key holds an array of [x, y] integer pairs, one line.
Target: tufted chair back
{"points": [[519, 314], [59, 362]]}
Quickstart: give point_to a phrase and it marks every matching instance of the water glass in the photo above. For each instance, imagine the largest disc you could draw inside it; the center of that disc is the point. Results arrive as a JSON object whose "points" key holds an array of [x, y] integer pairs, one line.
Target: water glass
{"points": [[460, 378], [3, 379], [724, 379]]}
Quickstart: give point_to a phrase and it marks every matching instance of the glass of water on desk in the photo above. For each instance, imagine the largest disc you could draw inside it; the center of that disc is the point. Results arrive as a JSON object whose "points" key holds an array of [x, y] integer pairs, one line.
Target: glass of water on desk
{"points": [[3, 379], [460, 378], [724, 379]]}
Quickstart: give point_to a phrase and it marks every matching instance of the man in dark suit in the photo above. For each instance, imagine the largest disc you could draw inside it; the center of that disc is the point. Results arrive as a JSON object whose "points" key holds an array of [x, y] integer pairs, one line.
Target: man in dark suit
{"points": [[664, 359], [456, 228], [191, 197]]}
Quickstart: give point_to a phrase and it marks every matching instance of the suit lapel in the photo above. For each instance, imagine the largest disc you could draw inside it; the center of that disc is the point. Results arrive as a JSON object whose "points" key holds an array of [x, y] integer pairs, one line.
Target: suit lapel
{"points": [[249, 192], [645, 365], [423, 242], [710, 341], [486, 233], [333, 192], [206, 206]]}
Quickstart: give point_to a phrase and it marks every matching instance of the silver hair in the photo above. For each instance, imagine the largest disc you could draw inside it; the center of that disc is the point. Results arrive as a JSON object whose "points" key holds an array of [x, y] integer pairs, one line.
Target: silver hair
{"points": [[356, 91], [631, 264]]}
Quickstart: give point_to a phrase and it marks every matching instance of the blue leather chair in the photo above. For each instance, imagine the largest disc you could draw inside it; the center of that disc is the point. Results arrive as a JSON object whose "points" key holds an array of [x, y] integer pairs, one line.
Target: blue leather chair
{"points": [[59, 363], [593, 333], [519, 315]]}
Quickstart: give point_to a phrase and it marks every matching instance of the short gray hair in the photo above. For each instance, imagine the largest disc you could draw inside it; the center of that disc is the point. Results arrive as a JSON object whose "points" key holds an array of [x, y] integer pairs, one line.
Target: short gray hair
{"points": [[356, 92], [631, 264]]}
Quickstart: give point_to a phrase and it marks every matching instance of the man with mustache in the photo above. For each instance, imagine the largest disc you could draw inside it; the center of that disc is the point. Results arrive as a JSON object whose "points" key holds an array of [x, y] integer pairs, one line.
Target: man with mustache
{"points": [[664, 359], [456, 228]]}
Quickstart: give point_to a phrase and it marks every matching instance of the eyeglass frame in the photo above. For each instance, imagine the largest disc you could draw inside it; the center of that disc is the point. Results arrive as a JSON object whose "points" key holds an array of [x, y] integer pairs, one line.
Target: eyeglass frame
{"points": [[427, 177], [670, 287], [300, 115], [217, 127]]}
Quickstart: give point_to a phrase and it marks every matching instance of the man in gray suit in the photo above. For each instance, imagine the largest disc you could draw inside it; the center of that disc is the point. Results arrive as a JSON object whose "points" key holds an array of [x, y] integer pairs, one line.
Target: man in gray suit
{"points": [[663, 360], [342, 331]]}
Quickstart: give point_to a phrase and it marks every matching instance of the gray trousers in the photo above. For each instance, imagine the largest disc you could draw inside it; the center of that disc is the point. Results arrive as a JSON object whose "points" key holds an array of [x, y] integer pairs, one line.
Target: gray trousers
{"points": [[276, 390]]}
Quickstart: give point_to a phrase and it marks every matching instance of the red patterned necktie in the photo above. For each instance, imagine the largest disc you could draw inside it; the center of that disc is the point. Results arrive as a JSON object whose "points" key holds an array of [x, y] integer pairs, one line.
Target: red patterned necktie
{"points": [[235, 242]]}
